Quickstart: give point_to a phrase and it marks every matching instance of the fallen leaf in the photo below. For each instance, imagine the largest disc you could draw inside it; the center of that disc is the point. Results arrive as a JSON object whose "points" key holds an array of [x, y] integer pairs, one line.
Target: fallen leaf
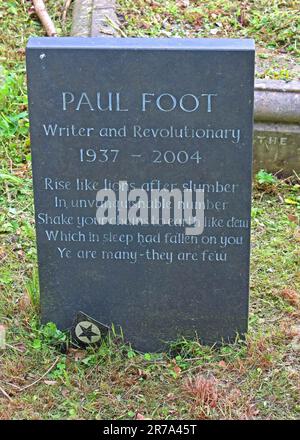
{"points": [[177, 369], [290, 295], [293, 218], [79, 355], [139, 416], [222, 364]]}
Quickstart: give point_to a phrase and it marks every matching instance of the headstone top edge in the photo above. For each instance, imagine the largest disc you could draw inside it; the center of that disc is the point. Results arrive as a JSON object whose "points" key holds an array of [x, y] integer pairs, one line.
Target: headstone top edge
{"points": [[208, 44]]}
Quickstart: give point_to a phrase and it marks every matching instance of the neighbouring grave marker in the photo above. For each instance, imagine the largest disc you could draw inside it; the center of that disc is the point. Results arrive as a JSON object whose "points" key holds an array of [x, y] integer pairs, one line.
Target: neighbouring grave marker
{"points": [[141, 153]]}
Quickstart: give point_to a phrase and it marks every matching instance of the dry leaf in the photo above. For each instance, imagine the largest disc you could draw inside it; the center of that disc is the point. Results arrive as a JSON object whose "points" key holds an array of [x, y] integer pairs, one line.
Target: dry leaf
{"points": [[79, 355], [222, 364], [177, 369], [293, 218], [290, 295], [139, 416]]}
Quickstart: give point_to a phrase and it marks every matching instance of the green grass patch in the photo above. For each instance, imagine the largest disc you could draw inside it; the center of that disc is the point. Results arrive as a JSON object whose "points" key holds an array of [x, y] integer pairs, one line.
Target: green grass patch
{"points": [[273, 24]]}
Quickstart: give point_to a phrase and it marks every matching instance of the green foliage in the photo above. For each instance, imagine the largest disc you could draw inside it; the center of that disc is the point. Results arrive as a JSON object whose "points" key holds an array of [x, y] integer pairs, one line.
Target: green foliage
{"points": [[12, 100], [51, 334], [60, 371], [264, 178], [47, 334]]}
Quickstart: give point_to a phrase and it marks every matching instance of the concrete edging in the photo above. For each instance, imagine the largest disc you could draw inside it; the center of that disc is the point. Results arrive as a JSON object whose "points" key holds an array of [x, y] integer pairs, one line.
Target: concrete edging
{"points": [[94, 18], [276, 145], [276, 128]]}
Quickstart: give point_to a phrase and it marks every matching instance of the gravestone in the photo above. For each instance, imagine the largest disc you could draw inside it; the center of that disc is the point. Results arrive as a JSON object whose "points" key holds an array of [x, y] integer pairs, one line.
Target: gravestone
{"points": [[124, 133]]}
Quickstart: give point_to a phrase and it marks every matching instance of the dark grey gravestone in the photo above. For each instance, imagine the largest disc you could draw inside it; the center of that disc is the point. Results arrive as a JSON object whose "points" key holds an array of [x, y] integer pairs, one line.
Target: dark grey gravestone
{"points": [[168, 113]]}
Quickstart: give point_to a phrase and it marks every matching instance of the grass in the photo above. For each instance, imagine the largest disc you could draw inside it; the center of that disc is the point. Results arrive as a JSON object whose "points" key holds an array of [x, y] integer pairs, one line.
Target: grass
{"points": [[274, 25], [41, 377]]}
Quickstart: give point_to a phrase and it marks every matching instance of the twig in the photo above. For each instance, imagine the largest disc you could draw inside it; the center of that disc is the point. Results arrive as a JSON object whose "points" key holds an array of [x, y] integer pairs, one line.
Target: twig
{"points": [[5, 394], [40, 378], [298, 177], [65, 10], [115, 26], [44, 17], [14, 348], [261, 197], [13, 385], [107, 32]]}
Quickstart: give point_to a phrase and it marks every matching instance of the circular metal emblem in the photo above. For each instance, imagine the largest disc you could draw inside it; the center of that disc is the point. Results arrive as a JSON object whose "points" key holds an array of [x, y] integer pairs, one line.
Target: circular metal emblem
{"points": [[87, 332]]}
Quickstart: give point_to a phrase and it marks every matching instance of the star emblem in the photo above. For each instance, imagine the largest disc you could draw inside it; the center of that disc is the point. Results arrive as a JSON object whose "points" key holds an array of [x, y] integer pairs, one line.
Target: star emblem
{"points": [[87, 332]]}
